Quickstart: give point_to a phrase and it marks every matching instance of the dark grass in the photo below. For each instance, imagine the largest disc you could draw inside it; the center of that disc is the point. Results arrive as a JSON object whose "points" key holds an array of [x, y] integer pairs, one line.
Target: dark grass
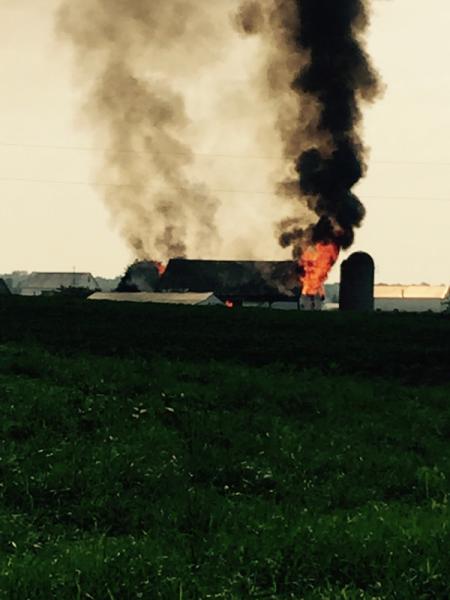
{"points": [[412, 348], [154, 452]]}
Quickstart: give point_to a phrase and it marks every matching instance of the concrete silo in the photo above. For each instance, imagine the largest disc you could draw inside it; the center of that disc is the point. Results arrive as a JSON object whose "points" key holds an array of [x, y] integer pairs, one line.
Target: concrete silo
{"points": [[357, 283]]}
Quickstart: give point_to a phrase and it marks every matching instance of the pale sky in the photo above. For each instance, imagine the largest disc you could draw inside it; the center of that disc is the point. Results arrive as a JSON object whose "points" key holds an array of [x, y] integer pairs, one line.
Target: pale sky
{"points": [[52, 219]]}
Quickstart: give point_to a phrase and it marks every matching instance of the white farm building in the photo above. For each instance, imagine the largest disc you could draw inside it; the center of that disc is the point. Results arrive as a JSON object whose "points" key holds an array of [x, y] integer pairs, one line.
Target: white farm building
{"points": [[411, 298], [46, 283]]}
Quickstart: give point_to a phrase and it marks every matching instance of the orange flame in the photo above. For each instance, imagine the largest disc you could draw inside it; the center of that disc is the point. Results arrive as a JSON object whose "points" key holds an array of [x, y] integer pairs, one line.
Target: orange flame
{"points": [[317, 262], [161, 268]]}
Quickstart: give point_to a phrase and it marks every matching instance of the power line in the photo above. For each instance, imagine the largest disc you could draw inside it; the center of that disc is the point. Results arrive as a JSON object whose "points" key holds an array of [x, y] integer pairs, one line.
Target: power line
{"points": [[138, 152], [200, 154], [214, 191]]}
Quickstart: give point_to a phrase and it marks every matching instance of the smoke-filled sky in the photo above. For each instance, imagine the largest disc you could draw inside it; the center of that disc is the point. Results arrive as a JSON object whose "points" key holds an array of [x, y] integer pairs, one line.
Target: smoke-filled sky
{"points": [[53, 219]]}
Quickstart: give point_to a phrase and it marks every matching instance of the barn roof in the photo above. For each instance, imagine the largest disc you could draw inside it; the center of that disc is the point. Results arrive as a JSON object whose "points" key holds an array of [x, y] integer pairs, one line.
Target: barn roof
{"points": [[437, 292], [4, 289], [231, 278], [158, 297], [54, 281]]}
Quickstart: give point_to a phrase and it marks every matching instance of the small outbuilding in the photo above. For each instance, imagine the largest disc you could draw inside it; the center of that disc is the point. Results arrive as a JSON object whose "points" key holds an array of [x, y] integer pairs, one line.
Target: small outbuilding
{"points": [[411, 298], [47, 283], [4, 289], [188, 298]]}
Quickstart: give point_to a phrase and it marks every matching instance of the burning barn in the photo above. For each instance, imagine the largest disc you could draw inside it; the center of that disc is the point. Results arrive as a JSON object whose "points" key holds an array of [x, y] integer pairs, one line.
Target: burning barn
{"points": [[237, 283]]}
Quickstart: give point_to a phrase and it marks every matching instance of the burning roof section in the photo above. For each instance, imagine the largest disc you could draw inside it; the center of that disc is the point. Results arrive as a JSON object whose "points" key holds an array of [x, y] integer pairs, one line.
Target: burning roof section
{"points": [[258, 280]]}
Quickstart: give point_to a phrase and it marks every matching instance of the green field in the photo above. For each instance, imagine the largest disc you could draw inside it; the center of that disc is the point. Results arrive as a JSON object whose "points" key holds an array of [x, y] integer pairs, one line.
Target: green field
{"points": [[193, 453]]}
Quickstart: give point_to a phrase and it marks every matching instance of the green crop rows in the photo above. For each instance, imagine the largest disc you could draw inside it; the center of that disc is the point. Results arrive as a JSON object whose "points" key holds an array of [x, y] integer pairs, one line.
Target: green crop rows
{"points": [[193, 453]]}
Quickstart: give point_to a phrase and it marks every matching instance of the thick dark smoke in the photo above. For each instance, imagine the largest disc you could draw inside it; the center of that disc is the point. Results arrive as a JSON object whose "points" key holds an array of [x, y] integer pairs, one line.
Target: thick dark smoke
{"points": [[321, 44], [141, 276], [132, 55]]}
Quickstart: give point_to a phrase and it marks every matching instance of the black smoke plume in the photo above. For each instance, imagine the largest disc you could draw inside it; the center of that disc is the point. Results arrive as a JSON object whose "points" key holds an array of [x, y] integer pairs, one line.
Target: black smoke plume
{"points": [[321, 44]]}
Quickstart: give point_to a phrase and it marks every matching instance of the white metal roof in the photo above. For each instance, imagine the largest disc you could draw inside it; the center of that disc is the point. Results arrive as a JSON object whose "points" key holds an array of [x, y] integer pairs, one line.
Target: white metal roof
{"points": [[438, 292], [159, 297]]}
